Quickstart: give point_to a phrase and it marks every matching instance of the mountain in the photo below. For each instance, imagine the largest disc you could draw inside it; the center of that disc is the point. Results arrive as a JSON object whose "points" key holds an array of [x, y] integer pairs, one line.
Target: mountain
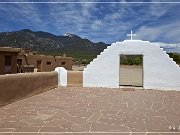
{"points": [[48, 43]]}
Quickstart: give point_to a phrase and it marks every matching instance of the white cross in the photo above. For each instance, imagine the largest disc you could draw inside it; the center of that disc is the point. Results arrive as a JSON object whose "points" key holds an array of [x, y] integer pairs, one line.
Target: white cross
{"points": [[131, 35]]}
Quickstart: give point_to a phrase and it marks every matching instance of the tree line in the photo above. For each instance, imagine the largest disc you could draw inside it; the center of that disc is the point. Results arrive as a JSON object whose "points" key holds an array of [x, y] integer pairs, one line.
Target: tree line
{"points": [[131, 59], [138, 59]]}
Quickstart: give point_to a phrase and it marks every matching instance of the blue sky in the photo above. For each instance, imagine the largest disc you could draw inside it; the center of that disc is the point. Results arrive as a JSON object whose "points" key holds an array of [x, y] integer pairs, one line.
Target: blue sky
{"points": [[106, 22]]}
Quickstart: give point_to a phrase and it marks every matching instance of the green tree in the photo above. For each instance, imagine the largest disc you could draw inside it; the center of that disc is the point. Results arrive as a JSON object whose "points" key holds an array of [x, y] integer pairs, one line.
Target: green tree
{"points": [[137, 61], [84, 62]]}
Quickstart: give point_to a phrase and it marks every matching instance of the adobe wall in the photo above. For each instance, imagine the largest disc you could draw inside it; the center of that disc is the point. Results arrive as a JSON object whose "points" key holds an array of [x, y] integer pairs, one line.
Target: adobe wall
{"points": [[68, 60], [14, 87], [32, 60], [13, 62], [55, 62], [75, 78]]}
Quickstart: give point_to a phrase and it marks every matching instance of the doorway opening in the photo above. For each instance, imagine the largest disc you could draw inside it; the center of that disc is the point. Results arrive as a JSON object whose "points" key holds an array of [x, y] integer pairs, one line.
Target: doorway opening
{"points": [[39, 66], [19, 62], [7, 64], [131, 70]]}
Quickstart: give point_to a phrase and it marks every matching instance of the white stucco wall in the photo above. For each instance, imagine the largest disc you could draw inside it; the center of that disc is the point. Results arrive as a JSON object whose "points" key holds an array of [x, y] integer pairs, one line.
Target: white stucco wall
{"points": [[62, 76], [159, 71]]}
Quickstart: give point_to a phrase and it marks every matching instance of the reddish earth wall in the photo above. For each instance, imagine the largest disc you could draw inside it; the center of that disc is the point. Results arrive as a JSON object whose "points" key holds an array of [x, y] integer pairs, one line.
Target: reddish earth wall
{"points": [[54, 62], [14, 87], [75, 78]]}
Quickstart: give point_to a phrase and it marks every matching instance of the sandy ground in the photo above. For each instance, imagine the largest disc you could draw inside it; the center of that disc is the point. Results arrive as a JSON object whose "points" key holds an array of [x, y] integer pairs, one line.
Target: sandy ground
{"points": [[78, 68], [131, 75], [93, 111]]}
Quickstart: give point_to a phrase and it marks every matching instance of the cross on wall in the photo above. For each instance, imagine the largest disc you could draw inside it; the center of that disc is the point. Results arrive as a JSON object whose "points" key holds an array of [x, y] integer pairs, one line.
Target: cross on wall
{"points": [[131, 35]]}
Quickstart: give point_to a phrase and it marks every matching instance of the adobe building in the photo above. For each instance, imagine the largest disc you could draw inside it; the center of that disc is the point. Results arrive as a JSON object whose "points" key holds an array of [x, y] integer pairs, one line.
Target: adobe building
{"points": [[8, 60], [13, 60], [44, 63]]}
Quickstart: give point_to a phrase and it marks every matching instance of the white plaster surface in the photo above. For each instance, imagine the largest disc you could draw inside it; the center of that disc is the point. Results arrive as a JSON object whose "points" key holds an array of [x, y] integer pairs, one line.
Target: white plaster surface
{"points": [[159, 70], [62, 76], [58, 70]]}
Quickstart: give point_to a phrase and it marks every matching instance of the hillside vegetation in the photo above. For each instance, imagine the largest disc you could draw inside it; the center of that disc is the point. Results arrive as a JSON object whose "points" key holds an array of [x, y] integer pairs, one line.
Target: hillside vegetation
{"points": [[176, 57], [47, 43]]}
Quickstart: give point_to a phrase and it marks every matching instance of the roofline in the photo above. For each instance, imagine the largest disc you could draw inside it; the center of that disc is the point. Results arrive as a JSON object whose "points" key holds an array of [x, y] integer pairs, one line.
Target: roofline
{"points": [[9, 49]]}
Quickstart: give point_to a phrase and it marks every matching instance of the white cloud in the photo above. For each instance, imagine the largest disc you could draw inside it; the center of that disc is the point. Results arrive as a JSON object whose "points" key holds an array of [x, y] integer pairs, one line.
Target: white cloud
{"points": [[169, 47], [96, 24], [86, 9], [159, 9], [162, 44], [73, 18], [112, 17], [157, 33], [26, 14]]}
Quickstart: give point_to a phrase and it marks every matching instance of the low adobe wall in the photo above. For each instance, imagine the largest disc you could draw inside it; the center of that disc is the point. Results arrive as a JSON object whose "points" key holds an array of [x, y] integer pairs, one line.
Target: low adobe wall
{"points": [[18, 86], [75, 78], [69, 78]]}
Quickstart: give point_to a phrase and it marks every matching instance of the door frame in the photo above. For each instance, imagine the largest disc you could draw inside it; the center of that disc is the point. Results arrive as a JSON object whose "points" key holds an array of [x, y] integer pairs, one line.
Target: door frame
{"points": [[142, 66]]}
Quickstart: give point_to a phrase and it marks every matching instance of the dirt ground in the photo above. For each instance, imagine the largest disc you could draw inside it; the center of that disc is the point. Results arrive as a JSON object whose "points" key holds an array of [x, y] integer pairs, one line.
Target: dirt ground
{"points": [[94, 111], [131, 75], [78, 68]]}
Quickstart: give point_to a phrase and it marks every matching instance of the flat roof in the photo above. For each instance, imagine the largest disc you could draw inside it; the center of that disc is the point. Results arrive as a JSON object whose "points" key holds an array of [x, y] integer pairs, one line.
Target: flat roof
{"points": [[9, 49]]}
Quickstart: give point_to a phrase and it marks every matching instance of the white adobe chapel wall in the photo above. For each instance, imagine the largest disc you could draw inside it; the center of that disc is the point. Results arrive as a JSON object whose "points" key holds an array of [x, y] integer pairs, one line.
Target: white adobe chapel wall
{"points": [[62, 76], [159, 71]]}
